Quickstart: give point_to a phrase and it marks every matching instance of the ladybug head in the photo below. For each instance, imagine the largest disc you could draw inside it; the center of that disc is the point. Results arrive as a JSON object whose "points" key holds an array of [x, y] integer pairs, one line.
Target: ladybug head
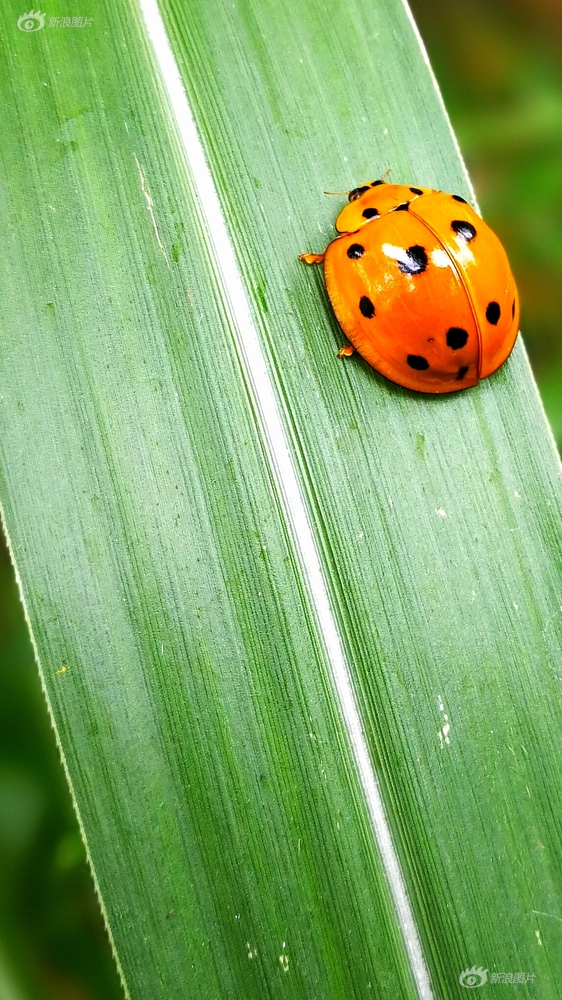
{"points": [[371, 200], [357, 192]]}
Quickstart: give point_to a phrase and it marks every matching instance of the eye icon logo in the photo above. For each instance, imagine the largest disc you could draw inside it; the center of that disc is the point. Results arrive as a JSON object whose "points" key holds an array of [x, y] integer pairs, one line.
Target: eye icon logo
{"points": [[473, 977], [33, 21]]}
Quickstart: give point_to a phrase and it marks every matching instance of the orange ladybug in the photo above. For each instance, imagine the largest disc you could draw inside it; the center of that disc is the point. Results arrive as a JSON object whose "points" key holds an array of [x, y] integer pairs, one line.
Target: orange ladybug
{"points": [[421, 286]]}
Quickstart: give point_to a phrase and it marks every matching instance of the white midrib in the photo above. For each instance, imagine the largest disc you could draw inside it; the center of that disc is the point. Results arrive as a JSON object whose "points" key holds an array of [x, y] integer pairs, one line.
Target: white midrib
{"points": [[287, 481]]}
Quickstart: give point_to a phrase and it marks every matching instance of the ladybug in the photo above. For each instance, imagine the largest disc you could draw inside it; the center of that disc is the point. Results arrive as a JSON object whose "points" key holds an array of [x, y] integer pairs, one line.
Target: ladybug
{"points": [[421, 286]]}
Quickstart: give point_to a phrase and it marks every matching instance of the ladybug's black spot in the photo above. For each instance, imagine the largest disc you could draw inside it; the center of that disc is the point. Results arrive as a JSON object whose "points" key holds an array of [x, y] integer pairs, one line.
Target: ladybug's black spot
{"points": [[417, 362], [461, 373], [366, 307], [456, 338], [464, 229], [414, 261], [357, 192], [513, 309], [375, 184], [416, 190], [403, 207], [457, 197], [355, 251], [493, 312], [370, 213]]}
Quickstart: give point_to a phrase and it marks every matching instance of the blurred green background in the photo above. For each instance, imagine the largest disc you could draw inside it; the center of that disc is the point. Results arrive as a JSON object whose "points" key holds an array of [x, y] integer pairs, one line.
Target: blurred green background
{"points": [[500, 70]]}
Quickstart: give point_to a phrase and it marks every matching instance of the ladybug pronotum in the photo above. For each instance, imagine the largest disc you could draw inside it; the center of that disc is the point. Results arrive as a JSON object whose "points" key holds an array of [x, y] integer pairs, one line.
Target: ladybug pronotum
{"points": [[421, 286]]}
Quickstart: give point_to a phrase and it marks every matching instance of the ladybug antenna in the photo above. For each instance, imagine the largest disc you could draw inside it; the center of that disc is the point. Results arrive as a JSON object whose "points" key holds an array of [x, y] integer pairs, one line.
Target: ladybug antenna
{"points": [[336, 192], [385, 175]]}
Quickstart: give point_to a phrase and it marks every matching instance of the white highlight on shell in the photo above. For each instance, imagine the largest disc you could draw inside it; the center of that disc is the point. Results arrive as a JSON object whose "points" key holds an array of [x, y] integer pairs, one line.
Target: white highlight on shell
{"points": [[396, 253], [441, 258], [240, 315], [464, 254]]}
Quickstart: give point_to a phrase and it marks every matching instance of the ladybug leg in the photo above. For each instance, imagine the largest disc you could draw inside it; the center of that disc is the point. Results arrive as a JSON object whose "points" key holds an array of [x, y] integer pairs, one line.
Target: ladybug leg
{"points": [[346, 352], [312, 258]]}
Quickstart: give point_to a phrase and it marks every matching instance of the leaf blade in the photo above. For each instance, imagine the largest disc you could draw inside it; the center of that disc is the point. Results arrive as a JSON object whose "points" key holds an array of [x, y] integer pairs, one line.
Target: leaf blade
{"points": [[461, 499], [422, 606]]}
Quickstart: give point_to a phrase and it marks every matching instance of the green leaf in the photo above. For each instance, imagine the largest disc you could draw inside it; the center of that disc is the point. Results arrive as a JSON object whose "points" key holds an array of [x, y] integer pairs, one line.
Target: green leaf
{"points": [[299, 629]]}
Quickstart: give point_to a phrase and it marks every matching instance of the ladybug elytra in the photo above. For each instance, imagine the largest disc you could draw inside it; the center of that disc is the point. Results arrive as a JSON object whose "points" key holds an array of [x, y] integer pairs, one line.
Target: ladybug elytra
{"points": [[421, 287]]}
